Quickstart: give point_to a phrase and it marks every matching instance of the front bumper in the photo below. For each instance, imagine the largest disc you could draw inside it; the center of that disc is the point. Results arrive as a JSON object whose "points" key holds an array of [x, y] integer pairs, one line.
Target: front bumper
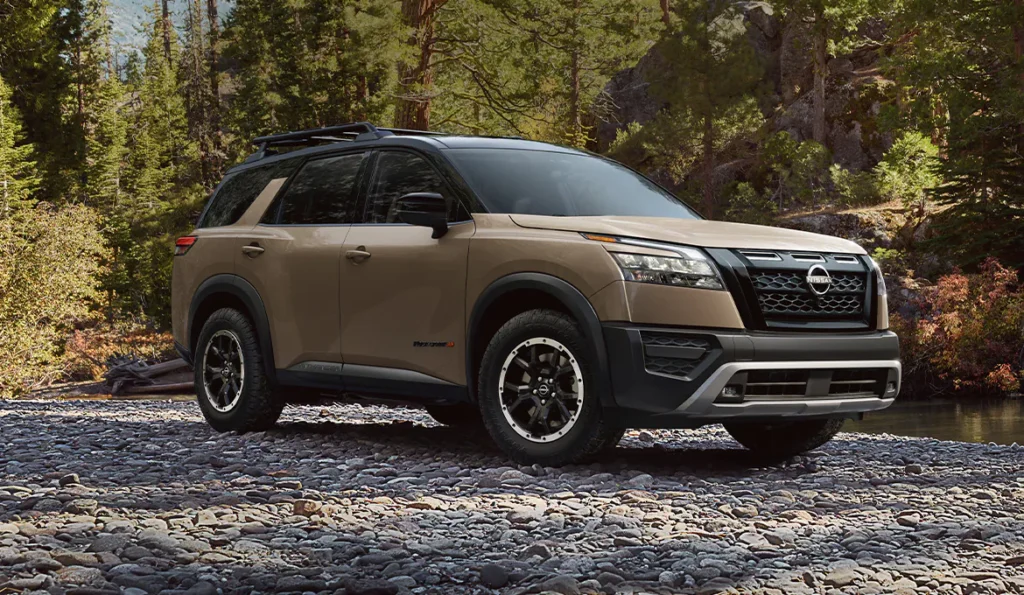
{"points": [[675, 377]]}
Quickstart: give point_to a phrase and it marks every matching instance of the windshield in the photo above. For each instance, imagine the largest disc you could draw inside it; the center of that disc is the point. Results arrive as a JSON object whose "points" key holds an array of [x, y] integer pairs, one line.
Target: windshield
{"points": [[517, 181]]}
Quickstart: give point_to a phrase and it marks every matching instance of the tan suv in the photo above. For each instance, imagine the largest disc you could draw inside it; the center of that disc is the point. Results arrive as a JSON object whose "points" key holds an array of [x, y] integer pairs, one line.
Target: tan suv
{"points": [[554, 296]]}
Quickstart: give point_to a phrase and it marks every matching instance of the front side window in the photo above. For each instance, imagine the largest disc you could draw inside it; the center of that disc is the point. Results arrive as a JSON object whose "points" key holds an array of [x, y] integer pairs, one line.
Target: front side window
{"points": [[323, 192], [529, 182], [238, 190], [399, 173]]}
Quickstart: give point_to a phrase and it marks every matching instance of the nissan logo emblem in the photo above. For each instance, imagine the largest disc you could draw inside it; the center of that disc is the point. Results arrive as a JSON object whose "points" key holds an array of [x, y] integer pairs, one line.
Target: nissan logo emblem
{"points": [[819, 280]]}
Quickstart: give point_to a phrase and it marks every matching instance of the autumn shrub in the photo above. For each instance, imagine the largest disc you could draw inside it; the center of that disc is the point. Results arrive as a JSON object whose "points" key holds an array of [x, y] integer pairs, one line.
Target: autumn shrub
{"points": [[90, 350], [49, 262], [967, 335]]}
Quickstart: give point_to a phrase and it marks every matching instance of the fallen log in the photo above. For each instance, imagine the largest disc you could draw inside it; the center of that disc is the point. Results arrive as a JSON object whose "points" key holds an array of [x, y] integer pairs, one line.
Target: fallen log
{"points": [[159, 388], [164, 368]]}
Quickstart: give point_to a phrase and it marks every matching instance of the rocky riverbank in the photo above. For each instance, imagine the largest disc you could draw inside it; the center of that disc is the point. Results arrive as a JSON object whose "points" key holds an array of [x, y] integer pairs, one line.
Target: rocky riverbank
{"points": [[142, 497]]}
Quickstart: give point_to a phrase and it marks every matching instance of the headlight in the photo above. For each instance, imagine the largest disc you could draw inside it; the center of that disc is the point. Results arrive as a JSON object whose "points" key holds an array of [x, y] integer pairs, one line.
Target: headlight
{"points": [[882, 291], [690, 269]]}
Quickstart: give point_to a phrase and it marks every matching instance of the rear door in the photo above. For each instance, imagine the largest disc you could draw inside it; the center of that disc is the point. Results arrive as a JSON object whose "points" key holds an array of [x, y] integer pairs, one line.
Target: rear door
{"points": [[293, 255], [403, 293]]}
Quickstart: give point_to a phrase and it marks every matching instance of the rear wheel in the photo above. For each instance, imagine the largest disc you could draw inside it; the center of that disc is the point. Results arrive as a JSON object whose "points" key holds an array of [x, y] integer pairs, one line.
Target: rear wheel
{"points": [[231, 385], [536, 392], [779, 441]]}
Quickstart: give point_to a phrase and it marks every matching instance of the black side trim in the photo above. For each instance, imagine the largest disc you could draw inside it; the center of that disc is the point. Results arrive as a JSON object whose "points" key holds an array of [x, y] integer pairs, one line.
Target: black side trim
{"points": [[565, 293], [240, 288], [401, 383], [394, 383]]}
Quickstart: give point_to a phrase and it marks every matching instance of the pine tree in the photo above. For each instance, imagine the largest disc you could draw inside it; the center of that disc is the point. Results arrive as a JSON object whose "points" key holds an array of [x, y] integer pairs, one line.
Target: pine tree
{"points": [[963, 69], [96, 98], [309, 63], [416, 72], [162, 185], [571, 49], [17, 170], [709, 82], [831, 24]]}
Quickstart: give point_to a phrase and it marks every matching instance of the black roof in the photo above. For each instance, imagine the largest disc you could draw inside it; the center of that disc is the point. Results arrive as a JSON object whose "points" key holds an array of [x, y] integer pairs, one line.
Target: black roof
{"points": [[331, 138]]}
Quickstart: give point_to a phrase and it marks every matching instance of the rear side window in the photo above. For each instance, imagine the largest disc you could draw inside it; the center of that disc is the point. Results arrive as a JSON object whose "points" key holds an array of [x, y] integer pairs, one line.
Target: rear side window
{"points": [[238, 190], [323, 192]]}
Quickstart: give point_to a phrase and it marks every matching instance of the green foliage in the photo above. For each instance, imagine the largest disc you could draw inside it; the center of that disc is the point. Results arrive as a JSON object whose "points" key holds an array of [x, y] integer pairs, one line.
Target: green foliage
{"points": [[962, 73], [162, 188], [798, 170], [17, 170], [908, 169], [747, 205], [709, 80], [308, 63], [49, 262], [563, 53], [853, 189]]}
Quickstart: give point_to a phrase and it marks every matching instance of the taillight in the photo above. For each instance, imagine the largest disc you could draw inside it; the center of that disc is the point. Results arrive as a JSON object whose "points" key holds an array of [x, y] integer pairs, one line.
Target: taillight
{"points": [[183, 244]]}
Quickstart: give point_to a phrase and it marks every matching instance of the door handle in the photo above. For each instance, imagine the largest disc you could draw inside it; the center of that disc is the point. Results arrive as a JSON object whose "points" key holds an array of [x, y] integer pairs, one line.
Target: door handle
{"points": [[253, 250], [358, 255]]}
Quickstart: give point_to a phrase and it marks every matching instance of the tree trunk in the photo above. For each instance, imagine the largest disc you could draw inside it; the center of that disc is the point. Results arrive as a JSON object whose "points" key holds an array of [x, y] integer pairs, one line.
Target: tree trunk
{"points": [[820, 73], [666, 12], [575, 84], [575, 120], [165, 24], [707, 167], [415, 81], [215, 132], [1018, 46]]}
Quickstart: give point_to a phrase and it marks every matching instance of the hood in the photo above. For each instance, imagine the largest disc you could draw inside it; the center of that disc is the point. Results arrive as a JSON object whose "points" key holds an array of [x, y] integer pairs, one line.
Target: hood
{"points": [[695, 232]]}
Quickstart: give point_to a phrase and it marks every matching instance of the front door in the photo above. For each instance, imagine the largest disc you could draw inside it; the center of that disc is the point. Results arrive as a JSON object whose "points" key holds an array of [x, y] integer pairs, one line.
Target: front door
{"points": [[403, 293], [292, 258]]}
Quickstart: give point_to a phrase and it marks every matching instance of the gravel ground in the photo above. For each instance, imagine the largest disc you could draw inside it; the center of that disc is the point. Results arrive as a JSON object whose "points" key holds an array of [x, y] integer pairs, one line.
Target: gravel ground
{"points": [[142, 497]]}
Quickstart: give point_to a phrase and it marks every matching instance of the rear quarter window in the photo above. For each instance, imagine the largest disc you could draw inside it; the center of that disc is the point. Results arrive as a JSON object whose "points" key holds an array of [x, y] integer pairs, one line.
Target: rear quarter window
{"points": [[238, 190]]}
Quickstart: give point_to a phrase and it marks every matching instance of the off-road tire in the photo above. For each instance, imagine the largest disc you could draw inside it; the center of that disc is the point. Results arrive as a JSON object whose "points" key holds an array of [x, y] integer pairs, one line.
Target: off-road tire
{"points": [[455, 416], [780, 441], [591, 433], [257, 408]]}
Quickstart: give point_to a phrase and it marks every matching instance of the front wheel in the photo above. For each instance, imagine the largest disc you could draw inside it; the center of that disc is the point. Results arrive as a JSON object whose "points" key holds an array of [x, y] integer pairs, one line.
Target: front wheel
{"points": [[780, 441], [537, 392], [231, 385]]}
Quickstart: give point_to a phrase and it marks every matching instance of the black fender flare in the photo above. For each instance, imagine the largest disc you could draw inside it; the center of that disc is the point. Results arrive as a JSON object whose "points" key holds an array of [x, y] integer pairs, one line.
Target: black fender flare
{"points": [[566, 293], [244, 291]]}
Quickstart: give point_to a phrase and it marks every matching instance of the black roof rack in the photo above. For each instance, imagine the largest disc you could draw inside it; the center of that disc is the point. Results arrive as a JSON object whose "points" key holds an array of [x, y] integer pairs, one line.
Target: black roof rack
{"points": [[355, 131]]}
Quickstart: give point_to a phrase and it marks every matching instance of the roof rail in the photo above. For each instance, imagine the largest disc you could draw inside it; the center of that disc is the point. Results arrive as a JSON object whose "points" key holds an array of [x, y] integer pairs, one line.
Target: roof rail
{"points": [[355, 131]]}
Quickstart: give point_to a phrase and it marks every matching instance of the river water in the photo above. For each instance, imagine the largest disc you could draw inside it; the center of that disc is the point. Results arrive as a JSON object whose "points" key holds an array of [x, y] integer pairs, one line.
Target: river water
{"points": [[966, 420]]}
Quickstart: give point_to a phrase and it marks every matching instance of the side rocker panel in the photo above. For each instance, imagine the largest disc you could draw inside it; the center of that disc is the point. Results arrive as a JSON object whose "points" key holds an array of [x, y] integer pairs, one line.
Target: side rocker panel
{"points": [[241, 289], [565, 293]]}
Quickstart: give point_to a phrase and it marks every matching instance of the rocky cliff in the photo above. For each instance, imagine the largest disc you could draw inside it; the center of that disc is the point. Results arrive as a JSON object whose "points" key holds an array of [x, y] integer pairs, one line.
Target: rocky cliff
{"points": [[855, 89]]}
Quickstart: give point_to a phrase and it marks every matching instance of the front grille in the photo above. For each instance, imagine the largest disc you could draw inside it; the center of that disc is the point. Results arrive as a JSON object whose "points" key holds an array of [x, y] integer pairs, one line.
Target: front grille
{"points": [[781, 297], [789, 281], [826, 306]]}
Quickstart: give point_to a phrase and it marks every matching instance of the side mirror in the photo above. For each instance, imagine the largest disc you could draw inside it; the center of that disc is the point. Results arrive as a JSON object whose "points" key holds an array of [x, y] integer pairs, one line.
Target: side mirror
{"points": [[426, 209]]}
